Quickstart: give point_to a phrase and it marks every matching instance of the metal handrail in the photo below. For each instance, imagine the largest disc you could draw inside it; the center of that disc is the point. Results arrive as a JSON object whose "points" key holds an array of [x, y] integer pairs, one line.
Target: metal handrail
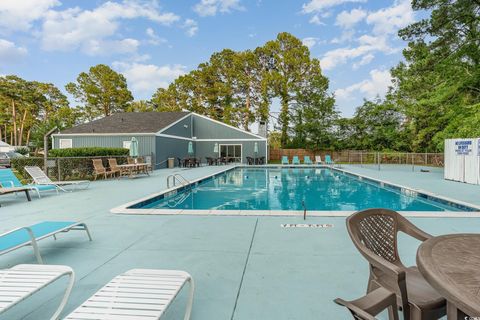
{"points": [[177, 177]]}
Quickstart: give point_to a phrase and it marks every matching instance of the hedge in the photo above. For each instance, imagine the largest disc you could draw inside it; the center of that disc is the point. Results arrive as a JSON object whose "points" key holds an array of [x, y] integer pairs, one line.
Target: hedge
{"points": [[88, 152]]}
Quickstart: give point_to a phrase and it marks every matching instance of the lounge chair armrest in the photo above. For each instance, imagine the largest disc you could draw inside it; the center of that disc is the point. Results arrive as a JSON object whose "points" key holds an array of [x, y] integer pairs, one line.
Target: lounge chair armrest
{"points": [[7, 184]]}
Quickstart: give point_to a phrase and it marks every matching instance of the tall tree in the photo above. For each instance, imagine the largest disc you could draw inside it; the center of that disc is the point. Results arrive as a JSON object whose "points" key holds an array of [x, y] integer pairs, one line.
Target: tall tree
{"points": [[438, 86], [291, 63], [101, 91]]}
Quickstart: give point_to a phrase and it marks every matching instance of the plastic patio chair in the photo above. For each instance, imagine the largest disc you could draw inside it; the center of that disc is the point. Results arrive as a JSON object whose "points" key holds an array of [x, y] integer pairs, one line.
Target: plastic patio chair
{"points": [[285, 160], [100, 170], [318, 159], [328, 159], [367, 307], [307, 160], [295, 160], [374, 233]]}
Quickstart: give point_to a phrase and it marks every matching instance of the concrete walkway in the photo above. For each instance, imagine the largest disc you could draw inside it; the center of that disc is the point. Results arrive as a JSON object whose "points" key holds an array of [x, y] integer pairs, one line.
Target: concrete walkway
{"points": [[245, 268]]}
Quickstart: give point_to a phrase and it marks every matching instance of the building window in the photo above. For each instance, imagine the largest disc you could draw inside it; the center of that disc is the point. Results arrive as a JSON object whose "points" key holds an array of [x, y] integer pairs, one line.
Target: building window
{"points": [[232, 152], [126, 144], [65, 143]]}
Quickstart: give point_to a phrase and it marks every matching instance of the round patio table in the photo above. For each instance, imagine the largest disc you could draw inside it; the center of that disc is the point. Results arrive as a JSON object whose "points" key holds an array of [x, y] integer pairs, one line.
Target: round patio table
{"points": [[451, 264]]}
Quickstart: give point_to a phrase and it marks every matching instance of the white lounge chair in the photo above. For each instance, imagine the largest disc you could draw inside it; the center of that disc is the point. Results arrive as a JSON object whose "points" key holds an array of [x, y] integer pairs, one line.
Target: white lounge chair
{"points": [[40, 178], [24, 280], [136, 294], [318, 159]]}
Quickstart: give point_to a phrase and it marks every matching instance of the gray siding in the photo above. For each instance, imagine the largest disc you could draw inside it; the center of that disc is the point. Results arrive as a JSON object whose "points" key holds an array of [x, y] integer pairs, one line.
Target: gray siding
{"points": [[205, 149], [206, 129], [171, 148], [179, 128], [146, 144]]}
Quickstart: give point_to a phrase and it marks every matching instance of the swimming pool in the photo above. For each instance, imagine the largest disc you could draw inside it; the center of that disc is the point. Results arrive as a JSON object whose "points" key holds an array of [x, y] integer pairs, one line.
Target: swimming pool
{"points": [[277, 188]]}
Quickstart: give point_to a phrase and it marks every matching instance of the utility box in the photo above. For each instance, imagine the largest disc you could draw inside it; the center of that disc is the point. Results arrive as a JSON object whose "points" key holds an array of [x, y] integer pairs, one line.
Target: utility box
{"points": [[462, 160], [171, 163]]}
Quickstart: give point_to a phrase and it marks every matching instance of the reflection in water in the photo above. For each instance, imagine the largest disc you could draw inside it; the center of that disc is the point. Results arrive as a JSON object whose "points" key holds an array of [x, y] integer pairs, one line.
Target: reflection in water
{"points": [[285, 189]]}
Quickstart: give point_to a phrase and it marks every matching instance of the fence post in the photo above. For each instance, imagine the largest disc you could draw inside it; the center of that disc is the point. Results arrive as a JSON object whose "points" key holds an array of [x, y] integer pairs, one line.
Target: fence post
{"points": [[361, 159], [413, 162], [58, 170], [378, 159]]}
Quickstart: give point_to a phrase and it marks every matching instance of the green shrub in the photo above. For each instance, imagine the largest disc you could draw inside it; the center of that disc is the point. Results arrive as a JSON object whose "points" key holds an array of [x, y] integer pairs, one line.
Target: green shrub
{"points": [[22, 150], [88, 152]]}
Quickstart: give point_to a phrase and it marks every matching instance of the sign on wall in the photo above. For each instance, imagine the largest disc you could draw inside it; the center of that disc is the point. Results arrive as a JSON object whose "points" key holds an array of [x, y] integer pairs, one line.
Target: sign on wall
{"points": [[463, 147]]}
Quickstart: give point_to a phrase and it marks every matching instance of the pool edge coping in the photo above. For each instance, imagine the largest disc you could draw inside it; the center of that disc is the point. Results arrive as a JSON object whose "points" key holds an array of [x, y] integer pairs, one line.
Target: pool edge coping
{"points": [[124, 208]]}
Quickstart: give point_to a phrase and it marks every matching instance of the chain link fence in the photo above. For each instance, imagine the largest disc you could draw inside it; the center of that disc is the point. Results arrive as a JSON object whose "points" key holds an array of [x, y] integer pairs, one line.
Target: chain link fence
{"points": [[71, 168], [364, 157]]}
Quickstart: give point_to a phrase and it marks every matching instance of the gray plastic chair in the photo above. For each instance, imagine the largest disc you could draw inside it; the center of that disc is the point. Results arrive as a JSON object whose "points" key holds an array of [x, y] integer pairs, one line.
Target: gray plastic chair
{"points": [[374, 233], [367, 307]]}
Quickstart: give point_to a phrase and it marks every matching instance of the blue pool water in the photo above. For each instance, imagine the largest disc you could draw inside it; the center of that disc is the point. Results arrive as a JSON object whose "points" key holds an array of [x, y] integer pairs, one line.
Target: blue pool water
{"points": [[288, 188]]}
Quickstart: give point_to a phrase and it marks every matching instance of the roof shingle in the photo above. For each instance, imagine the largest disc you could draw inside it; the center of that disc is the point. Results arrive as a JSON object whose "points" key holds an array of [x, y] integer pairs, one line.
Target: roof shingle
{"points": [[129, 122]]}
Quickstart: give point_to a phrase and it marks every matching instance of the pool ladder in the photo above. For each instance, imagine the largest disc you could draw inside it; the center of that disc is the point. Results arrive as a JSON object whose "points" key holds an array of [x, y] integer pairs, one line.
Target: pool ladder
{"points": [[174, 178]]}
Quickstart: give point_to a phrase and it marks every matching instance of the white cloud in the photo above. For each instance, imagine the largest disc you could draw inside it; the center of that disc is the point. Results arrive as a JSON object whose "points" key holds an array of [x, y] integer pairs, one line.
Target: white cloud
{"points": [[154, 39], [106, 47], [376, 85], [347, 19], [316, 20], [144, 79], [9, 52], [85, 29], [18, 15], [390, 19], [366, 59], [212, 7], [191, 27], [367, 45], [347, 35], [320, 5], [309, 42]]}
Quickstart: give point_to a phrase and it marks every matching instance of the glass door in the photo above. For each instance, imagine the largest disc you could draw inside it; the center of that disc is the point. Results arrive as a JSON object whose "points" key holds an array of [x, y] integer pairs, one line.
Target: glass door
{"points": [[231, 152]]}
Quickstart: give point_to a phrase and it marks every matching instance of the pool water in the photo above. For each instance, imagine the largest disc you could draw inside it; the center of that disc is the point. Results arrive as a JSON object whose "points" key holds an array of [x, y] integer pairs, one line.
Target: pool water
{"points": [[292, 189]]}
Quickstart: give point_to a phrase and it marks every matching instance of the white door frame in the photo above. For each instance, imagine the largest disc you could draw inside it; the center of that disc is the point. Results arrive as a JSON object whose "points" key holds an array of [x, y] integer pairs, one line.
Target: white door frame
{"points": [[231, 144]]}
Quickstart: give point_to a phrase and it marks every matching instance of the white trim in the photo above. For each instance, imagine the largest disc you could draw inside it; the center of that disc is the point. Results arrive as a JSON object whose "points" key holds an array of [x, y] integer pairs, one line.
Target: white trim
{"points": [[227, 125], [173, 137], [65, 140], [231, 144], [174, 123], [103, 134]]}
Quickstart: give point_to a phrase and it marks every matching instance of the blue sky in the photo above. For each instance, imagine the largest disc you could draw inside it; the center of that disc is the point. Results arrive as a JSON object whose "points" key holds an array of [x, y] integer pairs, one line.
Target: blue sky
{"points": [[153, 42]]}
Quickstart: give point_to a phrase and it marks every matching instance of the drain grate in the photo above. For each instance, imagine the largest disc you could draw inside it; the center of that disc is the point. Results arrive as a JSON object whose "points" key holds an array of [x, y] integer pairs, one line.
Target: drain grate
{"points": [[306, 225]]}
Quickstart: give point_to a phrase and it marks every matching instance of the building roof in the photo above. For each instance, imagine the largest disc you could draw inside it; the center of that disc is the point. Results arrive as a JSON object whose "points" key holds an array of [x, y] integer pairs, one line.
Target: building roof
{"points": [[128, 122]]}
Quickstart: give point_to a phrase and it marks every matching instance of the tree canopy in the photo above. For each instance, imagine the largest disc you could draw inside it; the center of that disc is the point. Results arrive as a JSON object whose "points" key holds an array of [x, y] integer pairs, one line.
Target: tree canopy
{"points": [[435, 92]]}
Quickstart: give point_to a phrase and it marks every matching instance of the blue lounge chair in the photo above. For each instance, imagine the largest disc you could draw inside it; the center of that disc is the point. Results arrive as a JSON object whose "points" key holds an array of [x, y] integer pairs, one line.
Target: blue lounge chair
{"points": [[25, 236], [306, 160], [328, 159], [285, 160], [9, 180], [295, 160]]}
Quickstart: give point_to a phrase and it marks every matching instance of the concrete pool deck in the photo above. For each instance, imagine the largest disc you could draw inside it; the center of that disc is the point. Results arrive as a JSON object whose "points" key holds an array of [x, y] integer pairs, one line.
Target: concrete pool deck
{"points": [[245, 267]]}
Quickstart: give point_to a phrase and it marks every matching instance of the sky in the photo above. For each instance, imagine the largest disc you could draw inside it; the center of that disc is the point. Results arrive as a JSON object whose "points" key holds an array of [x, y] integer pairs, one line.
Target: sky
{"points": [[153, 42]]}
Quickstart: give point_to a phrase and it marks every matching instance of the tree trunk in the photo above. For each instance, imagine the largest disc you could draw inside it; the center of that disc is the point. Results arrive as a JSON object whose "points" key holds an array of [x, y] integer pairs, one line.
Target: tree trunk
{"points": [[14, 118], [28, 137], [246, 117], [284, 120], [22, 126]]}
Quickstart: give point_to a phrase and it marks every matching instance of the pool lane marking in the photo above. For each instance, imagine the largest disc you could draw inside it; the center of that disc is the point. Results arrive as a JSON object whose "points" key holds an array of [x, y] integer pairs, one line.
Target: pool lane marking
{"points": [[244, 269]]}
